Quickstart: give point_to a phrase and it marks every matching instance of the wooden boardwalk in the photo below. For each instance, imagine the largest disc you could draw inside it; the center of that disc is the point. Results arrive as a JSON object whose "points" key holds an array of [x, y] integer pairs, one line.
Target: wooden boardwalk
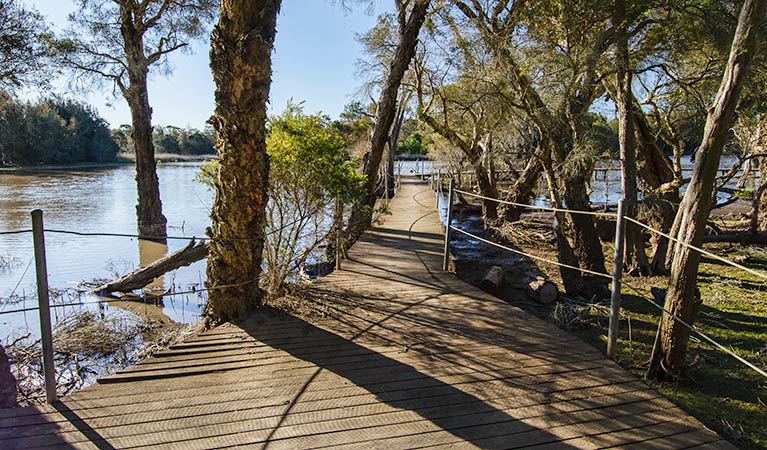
{"points": [[396, 355]]}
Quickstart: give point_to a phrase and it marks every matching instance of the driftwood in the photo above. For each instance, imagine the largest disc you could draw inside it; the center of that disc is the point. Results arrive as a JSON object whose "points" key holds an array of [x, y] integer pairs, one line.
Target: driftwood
{"points": [[743, 237], [139, 278], [536, 284], [541, 289], [493, 280]]}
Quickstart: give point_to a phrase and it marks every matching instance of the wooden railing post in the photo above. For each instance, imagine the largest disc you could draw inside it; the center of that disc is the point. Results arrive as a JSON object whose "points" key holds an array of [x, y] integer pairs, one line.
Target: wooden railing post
{"points": [[49, 370], [448, 219], [615, 297], [339, 250]]}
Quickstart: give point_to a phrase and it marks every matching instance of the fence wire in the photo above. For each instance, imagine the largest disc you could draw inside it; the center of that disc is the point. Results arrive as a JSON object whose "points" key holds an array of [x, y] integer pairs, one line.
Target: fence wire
{"points": [[542, 208], [640, 294]]}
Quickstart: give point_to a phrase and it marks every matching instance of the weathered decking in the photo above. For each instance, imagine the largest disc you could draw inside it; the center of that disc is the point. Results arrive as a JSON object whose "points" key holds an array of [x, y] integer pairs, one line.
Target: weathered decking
{"points": [[406, 357]]}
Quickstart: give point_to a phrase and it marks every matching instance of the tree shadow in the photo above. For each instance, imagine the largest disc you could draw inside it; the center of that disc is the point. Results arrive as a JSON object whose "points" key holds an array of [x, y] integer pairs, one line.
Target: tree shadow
{"points": [[467, 417]]}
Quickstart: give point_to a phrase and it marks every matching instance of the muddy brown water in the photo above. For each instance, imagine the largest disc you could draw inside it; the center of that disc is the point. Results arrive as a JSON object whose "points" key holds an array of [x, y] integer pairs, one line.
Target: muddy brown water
{"points": [[97, 200]]}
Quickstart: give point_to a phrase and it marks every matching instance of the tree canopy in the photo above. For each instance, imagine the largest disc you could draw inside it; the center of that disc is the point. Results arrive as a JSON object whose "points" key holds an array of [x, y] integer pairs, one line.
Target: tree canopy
{"points": [[23, 50]]}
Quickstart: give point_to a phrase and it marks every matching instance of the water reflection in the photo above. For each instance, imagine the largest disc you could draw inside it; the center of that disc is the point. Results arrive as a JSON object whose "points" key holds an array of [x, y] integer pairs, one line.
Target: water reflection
{"points": [[97, 201], [149, 252]]}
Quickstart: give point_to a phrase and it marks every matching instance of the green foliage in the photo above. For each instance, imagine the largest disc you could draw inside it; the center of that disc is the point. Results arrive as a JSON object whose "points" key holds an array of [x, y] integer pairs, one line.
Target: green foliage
{"points": [[52, 131], [311, 182], [413, 144], [188, 141], [97, 49], [171, 139], [208, 173], [122, 137], [306, 150], [744, 194], [603, 135], [22, 53]]}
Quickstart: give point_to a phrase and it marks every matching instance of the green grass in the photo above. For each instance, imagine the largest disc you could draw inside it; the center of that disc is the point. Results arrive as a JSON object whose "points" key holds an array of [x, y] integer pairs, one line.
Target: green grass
{"points": [[726, 396]]}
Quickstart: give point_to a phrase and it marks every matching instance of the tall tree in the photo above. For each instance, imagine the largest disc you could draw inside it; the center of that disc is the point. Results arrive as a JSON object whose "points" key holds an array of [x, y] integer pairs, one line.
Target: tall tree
{"points": [[410, 17], [22, 55], [668, 356], [635, 258], [120, 41], [553, 73], [240, 58]]}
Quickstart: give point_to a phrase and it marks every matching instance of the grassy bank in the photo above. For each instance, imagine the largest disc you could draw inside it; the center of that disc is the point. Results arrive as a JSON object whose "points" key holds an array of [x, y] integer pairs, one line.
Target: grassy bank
{"points": [[726, 396]]}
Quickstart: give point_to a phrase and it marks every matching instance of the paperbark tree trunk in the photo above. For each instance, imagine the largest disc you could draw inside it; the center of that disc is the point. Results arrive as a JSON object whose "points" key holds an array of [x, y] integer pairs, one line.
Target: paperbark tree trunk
{"points": [[661, 189], [668, 356], [240, 59], [151, 222], [635, 258], [581, 230], [572, 280], [410, 26]]}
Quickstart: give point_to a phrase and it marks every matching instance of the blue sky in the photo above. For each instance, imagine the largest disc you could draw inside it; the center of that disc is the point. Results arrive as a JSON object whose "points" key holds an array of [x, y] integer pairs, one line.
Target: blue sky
{"points": [[314, 61]]}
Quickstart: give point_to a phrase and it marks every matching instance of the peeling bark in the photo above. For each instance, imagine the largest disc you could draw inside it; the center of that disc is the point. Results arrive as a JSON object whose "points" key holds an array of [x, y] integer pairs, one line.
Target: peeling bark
{"points": [[240, 55]]}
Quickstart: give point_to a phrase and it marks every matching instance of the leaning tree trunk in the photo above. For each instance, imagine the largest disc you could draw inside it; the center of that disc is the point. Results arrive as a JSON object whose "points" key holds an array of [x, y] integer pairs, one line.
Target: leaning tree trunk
{"points": [[668, 356], [362, 213], [391, 153], [521, 192], [635, 258], [151, 222], [580, 228], [572, 280], [661, 188], [240, 59]]}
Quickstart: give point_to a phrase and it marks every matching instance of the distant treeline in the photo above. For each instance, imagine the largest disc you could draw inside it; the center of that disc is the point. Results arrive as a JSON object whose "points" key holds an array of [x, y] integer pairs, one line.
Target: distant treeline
{"points": [[170, 139], [61, 131], [52, 131]]}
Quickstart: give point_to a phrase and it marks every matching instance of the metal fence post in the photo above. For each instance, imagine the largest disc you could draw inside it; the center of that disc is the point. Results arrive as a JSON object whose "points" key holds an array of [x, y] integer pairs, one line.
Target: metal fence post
{"points": [[448, 219], [615, 297], [49, 370]]}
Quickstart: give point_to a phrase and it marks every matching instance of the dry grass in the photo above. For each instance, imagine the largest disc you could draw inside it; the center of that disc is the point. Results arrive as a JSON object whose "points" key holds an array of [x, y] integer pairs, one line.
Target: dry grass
{"points": [[88, 345]]}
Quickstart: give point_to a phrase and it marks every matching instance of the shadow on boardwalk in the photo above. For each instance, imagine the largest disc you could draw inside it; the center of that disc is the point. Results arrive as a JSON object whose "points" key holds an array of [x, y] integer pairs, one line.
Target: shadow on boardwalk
{"points": [[401, 387], [396, 355]]}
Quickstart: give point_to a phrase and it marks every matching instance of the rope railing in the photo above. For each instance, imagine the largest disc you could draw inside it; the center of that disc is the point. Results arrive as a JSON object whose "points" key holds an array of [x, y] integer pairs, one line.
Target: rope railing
{"points": [[538, 258], [698, 249], [542, 208], [146, 237], [103, 300], [615, 277], [699, 333]]}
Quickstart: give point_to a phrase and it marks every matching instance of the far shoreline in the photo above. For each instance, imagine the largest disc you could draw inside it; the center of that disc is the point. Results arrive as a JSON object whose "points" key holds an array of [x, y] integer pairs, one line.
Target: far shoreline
{"points": [[123, 159]]}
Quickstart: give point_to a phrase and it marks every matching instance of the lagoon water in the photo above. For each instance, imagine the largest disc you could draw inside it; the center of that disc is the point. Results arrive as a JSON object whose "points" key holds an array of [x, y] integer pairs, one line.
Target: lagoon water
{"points": [[95, 201]]}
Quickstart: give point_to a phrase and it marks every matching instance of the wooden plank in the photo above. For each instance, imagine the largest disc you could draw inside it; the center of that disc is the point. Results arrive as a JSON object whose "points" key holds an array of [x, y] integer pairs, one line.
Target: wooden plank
{"points": [[407, 357]]}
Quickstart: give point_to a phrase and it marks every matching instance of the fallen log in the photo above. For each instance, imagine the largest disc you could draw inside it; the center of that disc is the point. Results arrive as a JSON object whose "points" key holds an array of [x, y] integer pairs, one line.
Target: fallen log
{"points": [[193, 252], [743, 237], [541, 289], [493, 280]]}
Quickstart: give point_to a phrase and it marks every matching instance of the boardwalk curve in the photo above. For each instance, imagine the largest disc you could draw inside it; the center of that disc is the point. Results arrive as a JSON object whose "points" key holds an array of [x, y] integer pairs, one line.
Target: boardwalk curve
{"points": [[396, 355]]}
